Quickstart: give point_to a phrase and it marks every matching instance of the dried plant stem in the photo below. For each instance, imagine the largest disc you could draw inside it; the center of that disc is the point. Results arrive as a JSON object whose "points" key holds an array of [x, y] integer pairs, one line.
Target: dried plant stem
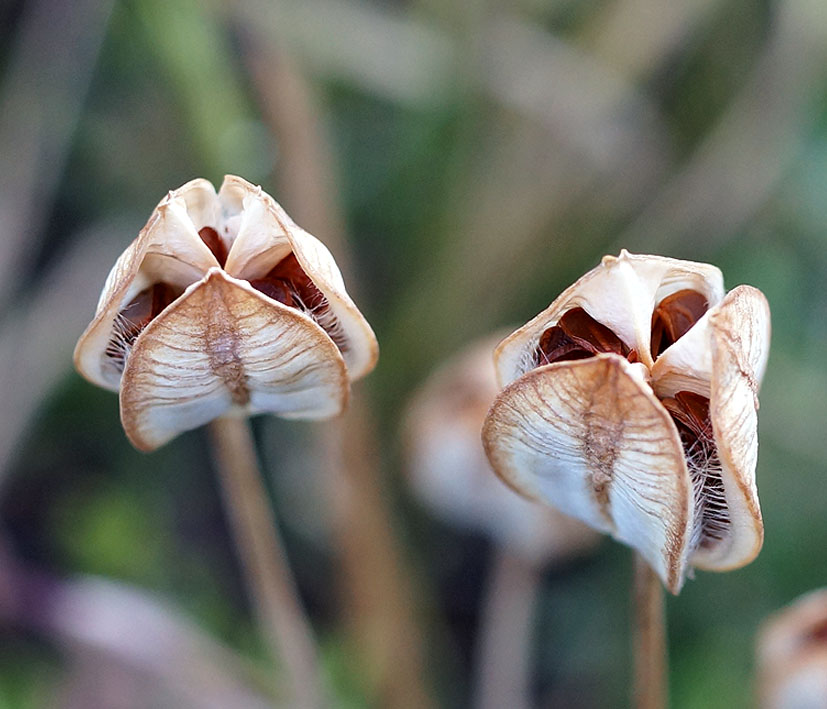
{"points": [[381, 604], [504, 649], [650, 682], [377, 598], [269, 581]]}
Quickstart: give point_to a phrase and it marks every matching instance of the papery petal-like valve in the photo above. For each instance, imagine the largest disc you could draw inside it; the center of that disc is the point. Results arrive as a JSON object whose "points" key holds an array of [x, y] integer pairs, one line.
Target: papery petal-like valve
{"points": [[451, 475], [222, 304], [630, 403]]}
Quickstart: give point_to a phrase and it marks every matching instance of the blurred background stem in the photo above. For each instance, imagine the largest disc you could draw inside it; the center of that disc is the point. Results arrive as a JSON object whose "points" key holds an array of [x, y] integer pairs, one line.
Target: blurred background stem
{"points": [[650, 690], [378, 600], [48, 88], [264, 562], [504, 648]]}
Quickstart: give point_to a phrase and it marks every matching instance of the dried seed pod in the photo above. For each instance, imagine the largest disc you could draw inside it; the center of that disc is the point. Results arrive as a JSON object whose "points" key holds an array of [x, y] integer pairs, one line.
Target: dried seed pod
{"points": [[792, 655], [451, 475], [630, 403], [222, 304]]}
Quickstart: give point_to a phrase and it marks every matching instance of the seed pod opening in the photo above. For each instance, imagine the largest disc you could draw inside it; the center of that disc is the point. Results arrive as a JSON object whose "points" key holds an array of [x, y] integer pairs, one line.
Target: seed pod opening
{"points": [[678, 485], [223, 347], [215, 250]]}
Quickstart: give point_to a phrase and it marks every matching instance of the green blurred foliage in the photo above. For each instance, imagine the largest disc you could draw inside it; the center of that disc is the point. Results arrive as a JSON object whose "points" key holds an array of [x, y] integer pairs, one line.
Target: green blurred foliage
{"points": [[434, 193]]}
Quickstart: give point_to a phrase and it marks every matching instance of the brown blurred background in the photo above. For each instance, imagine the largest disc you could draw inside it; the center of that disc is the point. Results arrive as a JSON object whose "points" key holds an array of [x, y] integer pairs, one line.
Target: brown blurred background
{"points": [[465, 161]]}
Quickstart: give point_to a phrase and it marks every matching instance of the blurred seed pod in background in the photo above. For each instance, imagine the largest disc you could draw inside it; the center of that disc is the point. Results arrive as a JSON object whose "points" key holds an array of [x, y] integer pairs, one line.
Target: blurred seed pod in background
{"points": [[792, 655], [451, 476]]}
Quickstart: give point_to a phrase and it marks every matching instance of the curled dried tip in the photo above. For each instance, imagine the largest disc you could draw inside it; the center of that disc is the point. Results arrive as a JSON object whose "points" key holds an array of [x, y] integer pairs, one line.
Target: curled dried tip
{"points": [[223, 304], [792, 655], [450, 474], [630, 403]]}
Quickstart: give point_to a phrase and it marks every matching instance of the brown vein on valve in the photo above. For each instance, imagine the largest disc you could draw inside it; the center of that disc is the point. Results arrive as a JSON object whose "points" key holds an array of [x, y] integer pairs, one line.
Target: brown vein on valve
{"points": [[222, 340], [601, 440]]}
